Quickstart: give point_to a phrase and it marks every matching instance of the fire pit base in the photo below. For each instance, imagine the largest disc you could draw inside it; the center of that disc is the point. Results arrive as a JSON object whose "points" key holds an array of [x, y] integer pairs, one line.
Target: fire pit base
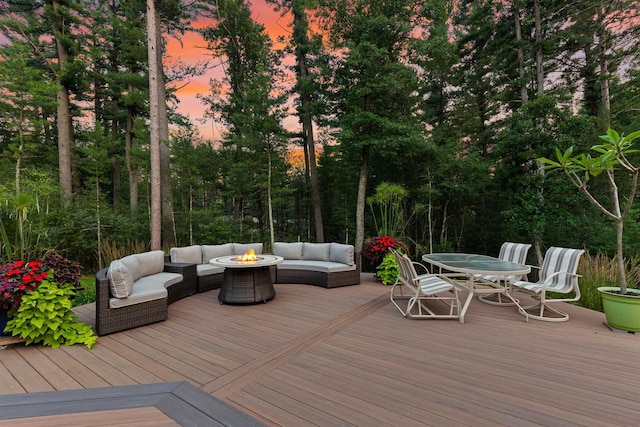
{"points": [[246, 286]]}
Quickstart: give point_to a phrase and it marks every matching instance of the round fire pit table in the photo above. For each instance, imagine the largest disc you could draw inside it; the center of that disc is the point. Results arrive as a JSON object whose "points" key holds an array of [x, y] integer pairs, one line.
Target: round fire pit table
{"points": [[246, 282]]}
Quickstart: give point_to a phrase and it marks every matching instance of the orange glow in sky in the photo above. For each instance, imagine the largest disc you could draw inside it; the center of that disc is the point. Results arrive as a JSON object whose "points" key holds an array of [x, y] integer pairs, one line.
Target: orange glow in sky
{"points": [[193, 50]]}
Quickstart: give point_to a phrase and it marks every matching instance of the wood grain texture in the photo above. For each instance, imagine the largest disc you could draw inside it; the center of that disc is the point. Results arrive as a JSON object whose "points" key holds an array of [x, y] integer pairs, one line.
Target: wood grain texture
{"points": [[345, 356]]}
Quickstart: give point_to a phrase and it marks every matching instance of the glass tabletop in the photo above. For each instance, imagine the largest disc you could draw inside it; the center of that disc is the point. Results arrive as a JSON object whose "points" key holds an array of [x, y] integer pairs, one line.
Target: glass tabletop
{"points": [[475, 264]]}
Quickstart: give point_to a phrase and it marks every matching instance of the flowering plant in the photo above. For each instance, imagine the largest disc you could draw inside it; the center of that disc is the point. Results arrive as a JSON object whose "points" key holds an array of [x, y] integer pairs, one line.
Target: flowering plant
{"points": [[375, 248], [16, 279]]}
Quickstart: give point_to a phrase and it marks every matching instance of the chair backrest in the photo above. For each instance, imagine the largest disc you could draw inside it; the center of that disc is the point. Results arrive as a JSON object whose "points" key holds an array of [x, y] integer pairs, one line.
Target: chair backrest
{"points": [[514, 252], [407, 272], [561, 260]]}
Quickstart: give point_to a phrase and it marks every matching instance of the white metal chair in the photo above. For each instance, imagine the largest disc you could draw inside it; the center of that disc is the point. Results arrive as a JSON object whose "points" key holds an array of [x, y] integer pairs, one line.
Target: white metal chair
{"points": [[557, 274], [422, 288], [509, 251]]}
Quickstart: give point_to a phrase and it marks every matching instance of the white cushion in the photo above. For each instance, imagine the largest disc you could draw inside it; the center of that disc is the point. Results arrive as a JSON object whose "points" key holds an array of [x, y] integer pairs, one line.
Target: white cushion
{"points": [[242, 248], [321, 266], [208, 269], [151, 262], [316, 251], [342, 253], [214, 251], [120, 279], [131, 261], [188, 254], [164, 279], [288, 250], [142, 292]]}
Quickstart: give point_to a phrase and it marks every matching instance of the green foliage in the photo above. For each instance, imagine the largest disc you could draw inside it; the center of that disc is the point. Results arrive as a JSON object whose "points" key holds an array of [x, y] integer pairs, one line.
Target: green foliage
{"points": [[24, 215], [389, 199], [45, 316], [615, 154], [602, 270], [87, 292], [388, 269]]}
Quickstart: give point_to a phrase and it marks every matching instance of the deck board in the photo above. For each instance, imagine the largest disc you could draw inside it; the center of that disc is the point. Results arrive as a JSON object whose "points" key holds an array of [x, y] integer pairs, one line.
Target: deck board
{"points": [[345, 356]]}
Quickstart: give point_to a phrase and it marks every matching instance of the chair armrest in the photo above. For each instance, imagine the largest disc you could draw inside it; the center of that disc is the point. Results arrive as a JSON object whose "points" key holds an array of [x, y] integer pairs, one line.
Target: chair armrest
{"points": [[548, 280], [419, 264]]}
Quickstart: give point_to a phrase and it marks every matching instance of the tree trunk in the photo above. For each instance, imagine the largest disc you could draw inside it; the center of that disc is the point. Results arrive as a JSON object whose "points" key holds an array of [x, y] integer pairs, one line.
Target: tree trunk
{"points": [[361, 200], [539, 170], [539, 58], [132, 167], [156, 195], [168, 220], [300, 25], [65, 126], [605, 99], [524, 96], [272, 233]]}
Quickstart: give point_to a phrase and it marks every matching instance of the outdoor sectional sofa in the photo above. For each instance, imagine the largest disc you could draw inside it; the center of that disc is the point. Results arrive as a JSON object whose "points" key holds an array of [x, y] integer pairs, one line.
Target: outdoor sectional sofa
{"points": [[137, 289], [322, 264], [330, 265]]}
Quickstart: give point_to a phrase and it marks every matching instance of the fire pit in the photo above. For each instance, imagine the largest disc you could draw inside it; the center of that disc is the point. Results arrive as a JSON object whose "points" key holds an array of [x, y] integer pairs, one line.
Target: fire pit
{"points": [[247, 278]]}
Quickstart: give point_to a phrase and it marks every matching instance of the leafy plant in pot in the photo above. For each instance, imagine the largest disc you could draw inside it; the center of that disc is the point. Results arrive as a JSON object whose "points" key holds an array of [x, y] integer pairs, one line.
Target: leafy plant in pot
{"points": [[621, 304]]}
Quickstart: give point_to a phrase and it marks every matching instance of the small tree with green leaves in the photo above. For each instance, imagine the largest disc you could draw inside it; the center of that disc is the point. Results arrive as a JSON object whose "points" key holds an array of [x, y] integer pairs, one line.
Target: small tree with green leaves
{"points": [[389, 199], [613, 156]]}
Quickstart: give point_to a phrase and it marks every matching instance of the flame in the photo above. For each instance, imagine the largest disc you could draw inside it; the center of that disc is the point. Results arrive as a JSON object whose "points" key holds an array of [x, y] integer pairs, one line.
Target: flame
{"points": [[249, 256]]}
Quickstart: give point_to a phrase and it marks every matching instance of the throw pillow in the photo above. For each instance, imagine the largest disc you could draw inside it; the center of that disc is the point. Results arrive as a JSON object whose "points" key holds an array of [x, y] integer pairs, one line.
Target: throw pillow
{"points": [[288, 250], [341, 253], [120, 279]]}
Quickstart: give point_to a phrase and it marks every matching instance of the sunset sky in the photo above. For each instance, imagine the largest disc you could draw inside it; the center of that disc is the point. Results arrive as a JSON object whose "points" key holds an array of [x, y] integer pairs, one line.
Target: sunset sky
{"points": [[193, 49]]}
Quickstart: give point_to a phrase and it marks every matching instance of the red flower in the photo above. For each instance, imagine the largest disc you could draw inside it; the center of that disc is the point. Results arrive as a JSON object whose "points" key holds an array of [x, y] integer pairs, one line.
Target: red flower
{"points": [[376, 247], [17, 278]]}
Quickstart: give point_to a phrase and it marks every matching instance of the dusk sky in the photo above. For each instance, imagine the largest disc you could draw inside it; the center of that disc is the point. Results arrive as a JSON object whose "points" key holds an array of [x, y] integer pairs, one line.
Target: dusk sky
{"points": [[194, 50]]}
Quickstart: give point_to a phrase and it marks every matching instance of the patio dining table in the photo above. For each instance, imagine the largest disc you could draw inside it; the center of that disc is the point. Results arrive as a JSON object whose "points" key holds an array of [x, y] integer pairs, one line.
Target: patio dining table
{"points": [[468, 266]]}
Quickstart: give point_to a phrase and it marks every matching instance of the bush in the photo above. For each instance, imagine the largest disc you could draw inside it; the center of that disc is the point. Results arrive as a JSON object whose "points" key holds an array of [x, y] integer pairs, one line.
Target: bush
{"points": [[600, 270], [64, 270], [388, 269], [45, 316], [87, 293]]}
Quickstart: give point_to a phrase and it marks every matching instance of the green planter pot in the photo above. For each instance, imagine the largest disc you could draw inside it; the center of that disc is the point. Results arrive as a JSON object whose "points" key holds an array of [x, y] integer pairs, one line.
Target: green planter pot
{"points": [[622, 311]]}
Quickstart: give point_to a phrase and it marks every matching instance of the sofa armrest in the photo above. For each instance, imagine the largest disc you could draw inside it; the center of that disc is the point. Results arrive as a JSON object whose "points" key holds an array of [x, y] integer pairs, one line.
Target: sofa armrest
{"points": [[189, 284], [183, 268]]}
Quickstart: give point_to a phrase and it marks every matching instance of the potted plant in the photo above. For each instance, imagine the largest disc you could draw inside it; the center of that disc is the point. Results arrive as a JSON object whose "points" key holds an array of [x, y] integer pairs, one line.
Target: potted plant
{"points": [[388, 269], [44, 315], [35, 304], [621, 304]]}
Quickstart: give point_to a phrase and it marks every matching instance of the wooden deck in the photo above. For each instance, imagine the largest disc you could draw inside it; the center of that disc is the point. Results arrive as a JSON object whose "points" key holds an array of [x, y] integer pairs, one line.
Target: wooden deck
{"points": [[345, 356]]}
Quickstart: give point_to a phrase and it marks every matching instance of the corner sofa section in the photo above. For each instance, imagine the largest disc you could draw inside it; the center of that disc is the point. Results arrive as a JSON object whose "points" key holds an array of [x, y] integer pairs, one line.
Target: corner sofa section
{"points": [[136, 290], [330, 265], [209, 277]]}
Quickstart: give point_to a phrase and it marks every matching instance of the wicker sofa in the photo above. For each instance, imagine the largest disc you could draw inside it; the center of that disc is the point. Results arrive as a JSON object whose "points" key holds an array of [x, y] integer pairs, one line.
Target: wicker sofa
{"points": [[136, 290], [321, 264], [329, 265], [209, 277]]}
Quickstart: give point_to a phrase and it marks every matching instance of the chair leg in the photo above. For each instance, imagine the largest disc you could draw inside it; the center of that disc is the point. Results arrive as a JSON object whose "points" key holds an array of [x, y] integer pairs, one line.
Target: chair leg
{"points": [[540, 308]]}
